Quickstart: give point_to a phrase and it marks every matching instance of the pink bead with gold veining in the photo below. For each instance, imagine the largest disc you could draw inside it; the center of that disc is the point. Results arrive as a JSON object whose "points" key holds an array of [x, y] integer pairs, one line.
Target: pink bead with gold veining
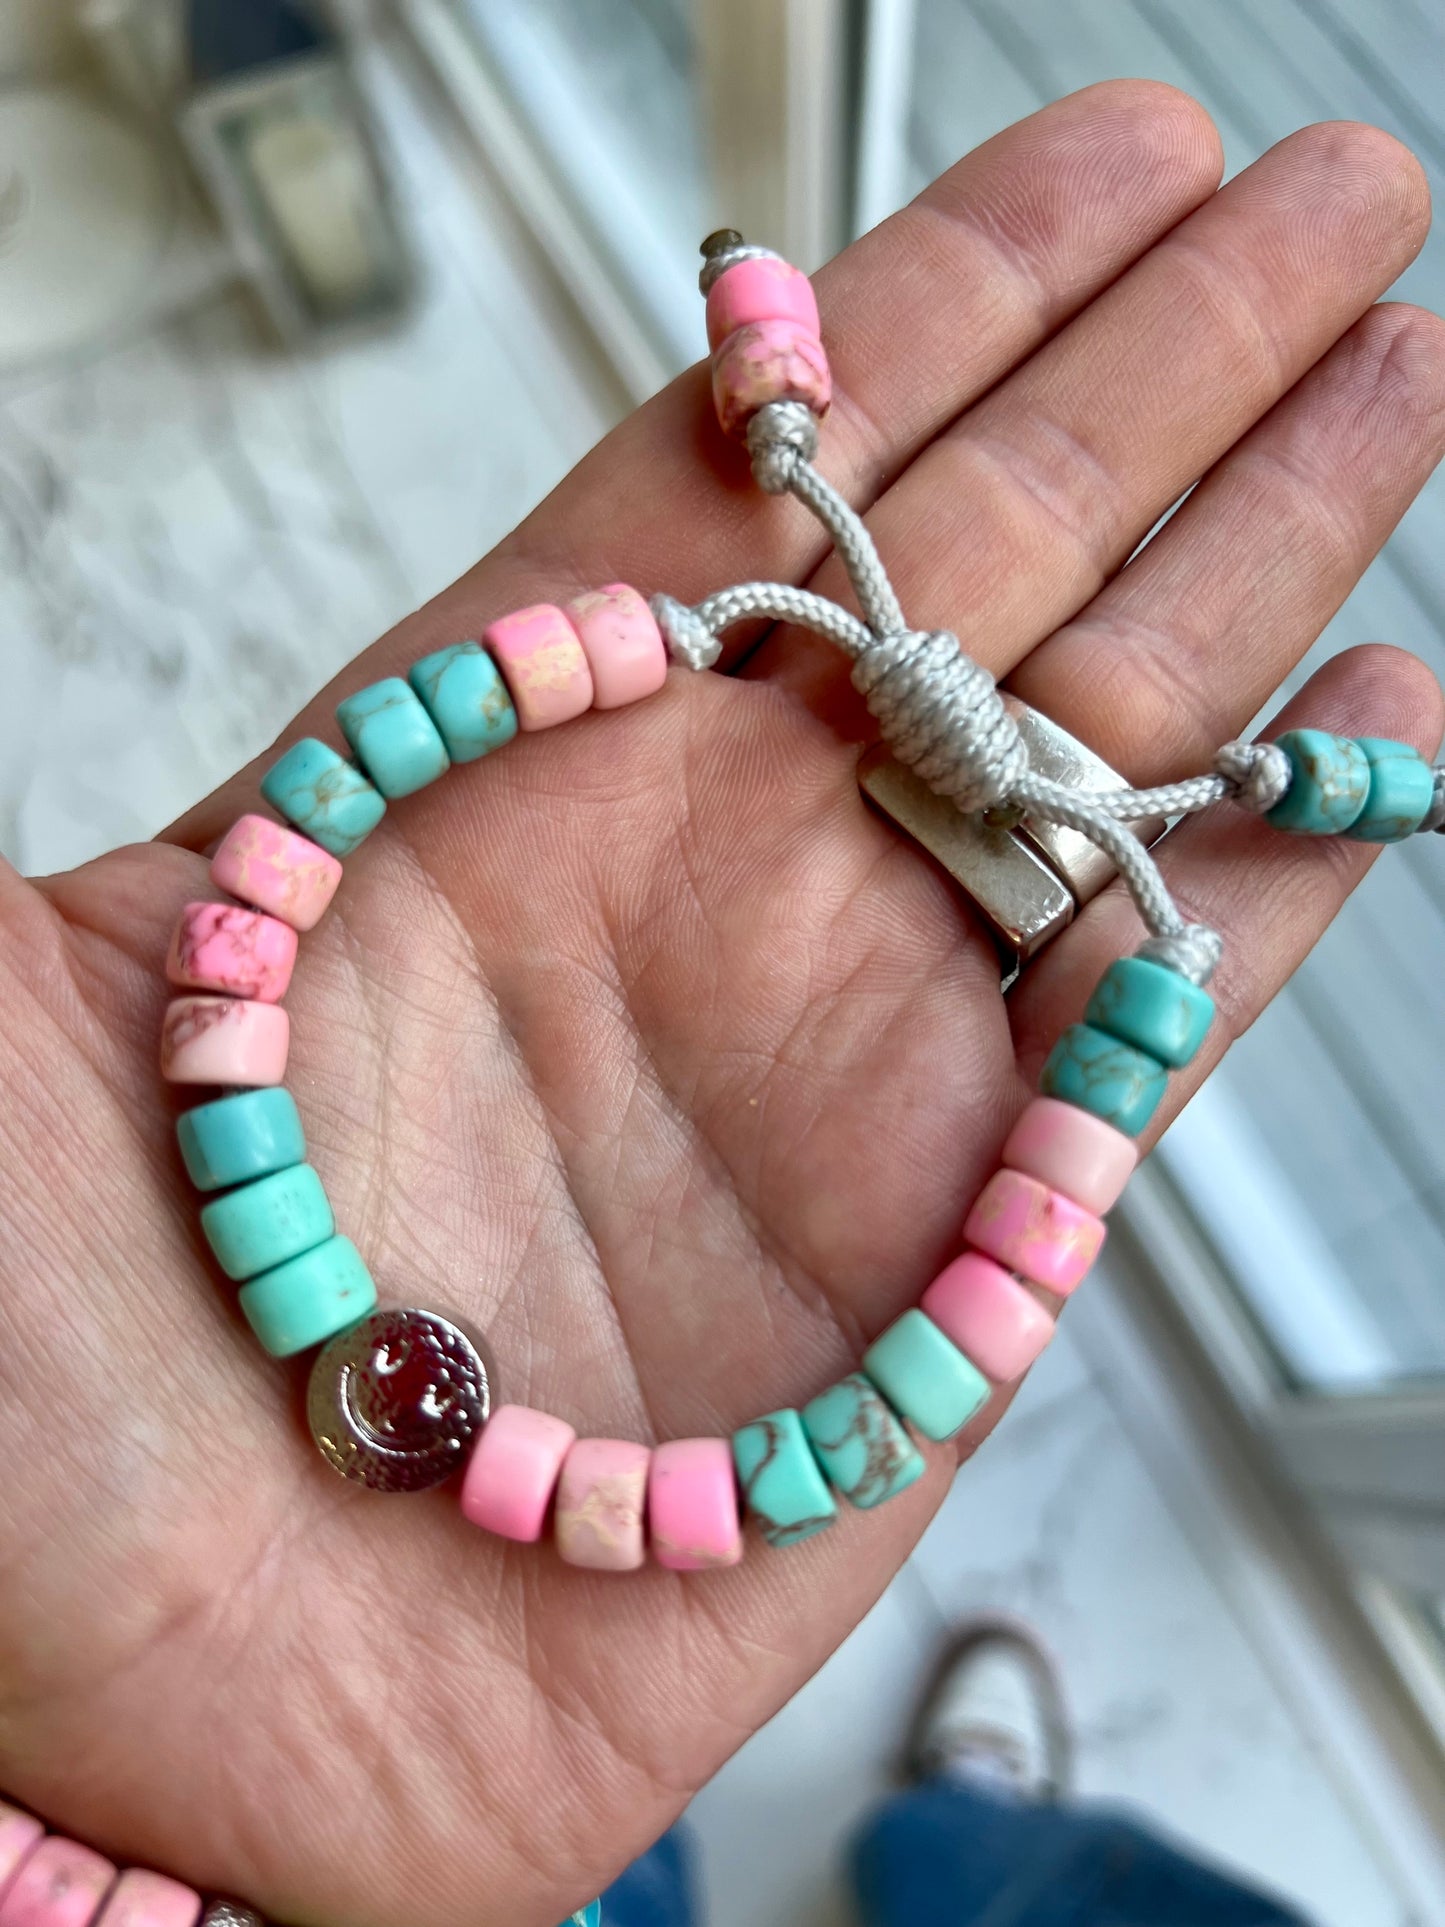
{"points": [[760, 291], [764, 362], [1072, 1151], [1034, 1230], [226, 947], [989, 1315], [622, 643], [224, 1040], [692, 1505], [61, 1884], [601, 1501], [265, 864], [143, 1899], [545, 667], [19, 1833]]}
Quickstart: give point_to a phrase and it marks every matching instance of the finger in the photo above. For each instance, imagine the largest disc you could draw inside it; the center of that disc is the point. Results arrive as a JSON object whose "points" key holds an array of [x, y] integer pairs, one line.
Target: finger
{"points": [[1271, 896], [1194, 635], [1013, 519], [1029, 227]]}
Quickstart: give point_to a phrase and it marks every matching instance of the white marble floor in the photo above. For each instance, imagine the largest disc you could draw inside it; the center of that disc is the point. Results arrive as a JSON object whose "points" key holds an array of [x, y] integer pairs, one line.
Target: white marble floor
{"points": [[196, 533]]}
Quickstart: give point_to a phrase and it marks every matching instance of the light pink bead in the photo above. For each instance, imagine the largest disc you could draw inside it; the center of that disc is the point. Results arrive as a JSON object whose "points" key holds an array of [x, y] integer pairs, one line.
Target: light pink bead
{"points": [[768, 361], [622, 643], [541, 656], [224, 1040], [692, 1505], [1072, 1151], [1032, 1229], [144, 1899], [601, 1499], [61, 1885], [760, 291], [514, 1470], [18, 1834], [265, 864], [989, 1315], [226, 947]]}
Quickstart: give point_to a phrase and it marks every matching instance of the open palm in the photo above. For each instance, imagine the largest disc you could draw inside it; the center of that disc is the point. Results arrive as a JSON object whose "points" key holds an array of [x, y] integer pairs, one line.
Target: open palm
{"points": [[646, 1047]]}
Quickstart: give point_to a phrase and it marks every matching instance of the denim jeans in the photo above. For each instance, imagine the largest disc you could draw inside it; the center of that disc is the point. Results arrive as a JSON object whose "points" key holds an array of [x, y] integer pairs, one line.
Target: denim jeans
{"points": [[950, 1855]]}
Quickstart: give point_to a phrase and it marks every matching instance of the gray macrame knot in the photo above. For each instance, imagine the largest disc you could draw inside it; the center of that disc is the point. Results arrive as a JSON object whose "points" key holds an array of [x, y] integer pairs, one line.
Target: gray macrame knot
{"points": [[717, 265], [780, 436], [688, 638], [1194, 952], [942, 715], [1258, 773]]}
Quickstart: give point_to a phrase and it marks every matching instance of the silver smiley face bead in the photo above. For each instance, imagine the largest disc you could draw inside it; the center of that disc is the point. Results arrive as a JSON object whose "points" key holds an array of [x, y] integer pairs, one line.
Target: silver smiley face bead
{"points": [[395, 1402]]}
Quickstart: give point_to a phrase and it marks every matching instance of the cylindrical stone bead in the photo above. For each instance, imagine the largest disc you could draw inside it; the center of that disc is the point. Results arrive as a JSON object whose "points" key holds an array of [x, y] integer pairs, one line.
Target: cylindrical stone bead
{"points": [[20, 1833], [1402, 788], [324, 795], [144, 1899], [924, 1376], [229, 948], [760, 290], [1072, 1151], [262, 1224], [1034, 1230], [692, 1505], [622, 643], [860, 1443], [513, 1472], [602, 1505], [541, 656], [237, 1138], [466, 698], [1329, 783], [60, 1884], [1152, 1007], [309, 1299], [989, 1315], [1113, 1080], [393, 738], [781, 1479], [274, 869], [765, 362], [224, 1040]]}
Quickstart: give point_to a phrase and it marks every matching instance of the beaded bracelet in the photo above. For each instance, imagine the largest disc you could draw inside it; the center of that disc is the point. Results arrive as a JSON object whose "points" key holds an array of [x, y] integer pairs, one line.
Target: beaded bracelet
{"points": [[401, 1398]]}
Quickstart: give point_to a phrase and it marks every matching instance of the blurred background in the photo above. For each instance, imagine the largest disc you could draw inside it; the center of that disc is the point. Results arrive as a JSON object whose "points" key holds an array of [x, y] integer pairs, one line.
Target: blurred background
{"points": [[302, 308]]}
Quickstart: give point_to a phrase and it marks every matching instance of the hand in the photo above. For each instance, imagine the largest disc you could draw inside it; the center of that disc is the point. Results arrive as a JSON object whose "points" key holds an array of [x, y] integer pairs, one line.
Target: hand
{"points": [[645, 1045]]}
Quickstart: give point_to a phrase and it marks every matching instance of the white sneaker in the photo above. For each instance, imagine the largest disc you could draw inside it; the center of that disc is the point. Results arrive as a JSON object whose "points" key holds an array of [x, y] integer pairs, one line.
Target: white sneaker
{"points": [[994, 1714]]}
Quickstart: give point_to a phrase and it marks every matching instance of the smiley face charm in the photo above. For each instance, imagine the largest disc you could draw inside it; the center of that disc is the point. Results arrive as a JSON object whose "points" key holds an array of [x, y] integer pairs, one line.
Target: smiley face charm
{"points": [[395, 1402]]}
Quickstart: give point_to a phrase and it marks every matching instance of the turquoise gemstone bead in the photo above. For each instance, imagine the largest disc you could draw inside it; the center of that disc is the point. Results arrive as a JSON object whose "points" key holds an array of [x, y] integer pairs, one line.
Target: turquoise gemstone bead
{"points": [[395, 740], [588, 1916], [1152, 1007], [781, 1480], [924, 1375], [1402, 788], [864, 1450], [327, 798], [265, 1223], [467, 699], [309, 1299], [1330, 781], [1097, 1072], [238, 1138]]}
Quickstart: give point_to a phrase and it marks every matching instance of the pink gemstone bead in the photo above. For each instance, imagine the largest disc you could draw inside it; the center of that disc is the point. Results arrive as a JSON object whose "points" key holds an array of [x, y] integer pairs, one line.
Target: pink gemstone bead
{"points": [[60, 1885], [223, 1040], [622, 643], [540, 655], [265, 864], [144, 1899], [601, 1500], [760, 291], [1032, 1229], [18, 1834], [225, 947], [1071, 1151], [989, 1316], [513, 1471], [768, 361], [692, 1505]]}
